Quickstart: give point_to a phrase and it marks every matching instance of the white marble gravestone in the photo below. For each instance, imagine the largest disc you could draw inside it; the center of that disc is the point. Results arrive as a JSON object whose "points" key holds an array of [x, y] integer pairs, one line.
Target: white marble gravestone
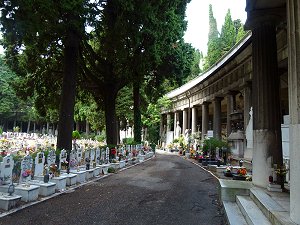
{"points": [[62, 157], [92, 155], [98, 154], [26, 167], [51, 159], [79, 155], [6, 169], [39, 164], [107, 155]]}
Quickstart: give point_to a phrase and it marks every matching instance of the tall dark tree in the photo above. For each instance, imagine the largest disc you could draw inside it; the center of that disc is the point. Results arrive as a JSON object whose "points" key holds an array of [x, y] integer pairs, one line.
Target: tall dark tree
{"points": [[213, 45], [228, 34], [39, 30], [127, 45]]}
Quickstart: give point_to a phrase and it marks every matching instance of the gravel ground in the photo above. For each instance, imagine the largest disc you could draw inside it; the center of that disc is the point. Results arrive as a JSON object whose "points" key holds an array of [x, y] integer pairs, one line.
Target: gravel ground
{"points": [[164, 190]]}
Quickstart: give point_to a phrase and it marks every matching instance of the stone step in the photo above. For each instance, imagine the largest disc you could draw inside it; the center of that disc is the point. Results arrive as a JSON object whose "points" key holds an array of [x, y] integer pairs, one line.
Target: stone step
{"points": [[234, 214], [270, 208], [251, 212]]}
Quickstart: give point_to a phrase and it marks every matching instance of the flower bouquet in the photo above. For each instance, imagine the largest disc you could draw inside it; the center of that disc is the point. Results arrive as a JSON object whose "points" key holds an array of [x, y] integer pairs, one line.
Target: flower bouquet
{"points": [[64, 164], [240, 174], [228, 171], [26, 173]]}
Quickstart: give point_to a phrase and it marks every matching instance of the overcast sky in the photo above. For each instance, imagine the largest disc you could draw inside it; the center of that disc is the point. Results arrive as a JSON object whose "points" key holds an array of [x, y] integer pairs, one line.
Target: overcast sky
{"points": [[197, 17]]}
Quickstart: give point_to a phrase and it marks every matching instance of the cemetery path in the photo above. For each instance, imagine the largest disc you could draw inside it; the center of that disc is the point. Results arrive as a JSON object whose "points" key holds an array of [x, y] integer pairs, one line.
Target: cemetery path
{"points": [[166, 190]]}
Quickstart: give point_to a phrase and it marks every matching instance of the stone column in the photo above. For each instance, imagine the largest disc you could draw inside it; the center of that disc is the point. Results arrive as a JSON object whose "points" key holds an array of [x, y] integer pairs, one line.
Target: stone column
{"points": [[168, 122], [293, 24], [205, 112], [194, 120], [161, 130], [230, 107], [217, 118], [247, 93], [185, 120], [176, 118], [267, 149]]}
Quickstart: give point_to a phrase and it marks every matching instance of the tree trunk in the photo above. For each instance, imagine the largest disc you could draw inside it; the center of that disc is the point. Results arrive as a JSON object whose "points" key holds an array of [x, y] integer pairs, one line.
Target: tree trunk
{"points": [[137, 112], [67, 102], [109, 98], [28, 127], [87, 127]]}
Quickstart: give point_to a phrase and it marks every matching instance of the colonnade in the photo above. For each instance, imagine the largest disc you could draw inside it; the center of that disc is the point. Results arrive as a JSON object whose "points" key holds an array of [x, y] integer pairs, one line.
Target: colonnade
{"points": [[198, 117]]}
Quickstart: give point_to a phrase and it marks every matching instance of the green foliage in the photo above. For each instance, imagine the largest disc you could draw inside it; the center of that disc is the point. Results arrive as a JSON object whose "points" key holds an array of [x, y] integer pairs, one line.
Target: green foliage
{"points": [[210, 145], [241, 34], [101, 137], [75, 134], [128, 141], [228, 34], [151, 118], [213, 46], [111, 170]]}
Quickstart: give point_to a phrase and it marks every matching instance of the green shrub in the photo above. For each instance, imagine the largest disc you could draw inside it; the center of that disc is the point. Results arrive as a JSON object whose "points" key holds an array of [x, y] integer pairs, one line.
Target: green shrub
{"points": [[111, 170], [75, 134]]}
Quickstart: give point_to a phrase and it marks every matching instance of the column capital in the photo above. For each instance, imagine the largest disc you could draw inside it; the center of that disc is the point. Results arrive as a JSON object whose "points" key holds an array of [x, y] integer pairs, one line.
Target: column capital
{"points": [[265, 17], [232, 92], [218, 99]]}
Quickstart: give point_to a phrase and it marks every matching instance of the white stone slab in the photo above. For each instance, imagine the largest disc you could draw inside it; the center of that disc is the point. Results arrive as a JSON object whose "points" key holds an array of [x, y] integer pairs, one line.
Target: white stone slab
{"points": [[251, 212], [39, 164], [6, 167], [122, 163], [61, 182], [80, 175], [89, 174], [233, 214], [97, 171], [29, 193], [115, 165], [71, 178], [229, 189], [8, 202], [45, 189]]}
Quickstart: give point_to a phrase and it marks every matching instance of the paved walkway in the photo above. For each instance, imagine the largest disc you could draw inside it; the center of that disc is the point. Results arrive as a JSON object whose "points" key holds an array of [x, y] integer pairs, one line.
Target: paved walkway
{"points": [[164, 190]]}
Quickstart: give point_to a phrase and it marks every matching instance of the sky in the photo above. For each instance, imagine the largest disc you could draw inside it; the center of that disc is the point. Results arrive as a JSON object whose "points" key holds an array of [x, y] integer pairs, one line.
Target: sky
{"points": [[197, 17]]}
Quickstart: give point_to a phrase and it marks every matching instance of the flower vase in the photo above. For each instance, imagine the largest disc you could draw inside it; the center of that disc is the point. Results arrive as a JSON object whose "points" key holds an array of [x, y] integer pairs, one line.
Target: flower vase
{"points": [[46, 178], [26, 184]]}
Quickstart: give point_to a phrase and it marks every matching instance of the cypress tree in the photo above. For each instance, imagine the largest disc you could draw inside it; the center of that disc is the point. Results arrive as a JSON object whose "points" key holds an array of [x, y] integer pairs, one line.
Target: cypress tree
{"points": [[228, 34], [213, 49]]}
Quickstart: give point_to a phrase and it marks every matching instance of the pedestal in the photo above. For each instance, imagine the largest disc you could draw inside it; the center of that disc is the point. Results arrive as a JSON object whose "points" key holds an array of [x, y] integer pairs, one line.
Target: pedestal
{"points": [[89, 174], [141, 158], [45, 189], [61, 182], [29, 192], [80, 175], [96, 171], [115, 165], [71, 178], [122, 163], [8, 202], [274, 187]]}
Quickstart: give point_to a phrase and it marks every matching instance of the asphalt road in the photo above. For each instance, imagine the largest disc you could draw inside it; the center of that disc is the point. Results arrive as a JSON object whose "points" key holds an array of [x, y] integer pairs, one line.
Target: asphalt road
{"points": [[167, 190]]}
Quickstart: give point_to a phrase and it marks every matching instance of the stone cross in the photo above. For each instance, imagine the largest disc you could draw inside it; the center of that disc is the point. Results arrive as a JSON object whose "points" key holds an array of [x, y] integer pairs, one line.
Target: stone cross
{"points": [[6, 168], [39, 164]]}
